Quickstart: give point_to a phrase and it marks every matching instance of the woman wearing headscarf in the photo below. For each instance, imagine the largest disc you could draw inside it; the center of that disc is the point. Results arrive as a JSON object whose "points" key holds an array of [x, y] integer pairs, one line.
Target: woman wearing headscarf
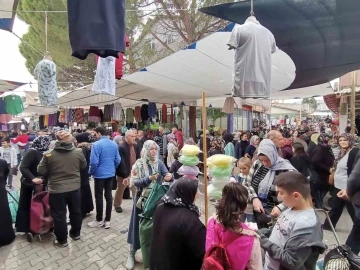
{"points": [[260, 181], [312, 144], [322, 161], [87, 204], [241, 146], [180, 235], [229, 148], [147, 169], [7, 234], [117, 139], [254, 143], [343, 167], [30, 179], [172, 148], [215, 147]]}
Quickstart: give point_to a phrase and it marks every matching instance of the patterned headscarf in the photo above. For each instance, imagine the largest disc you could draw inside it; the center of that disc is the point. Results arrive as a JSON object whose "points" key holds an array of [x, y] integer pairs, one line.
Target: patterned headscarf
{"points": [[216, 144], [117, 139], [323, 139], [143, 163], [190, 141], [350, 138], [182, 194], [41, 143], [253, 139], [268, 148]]}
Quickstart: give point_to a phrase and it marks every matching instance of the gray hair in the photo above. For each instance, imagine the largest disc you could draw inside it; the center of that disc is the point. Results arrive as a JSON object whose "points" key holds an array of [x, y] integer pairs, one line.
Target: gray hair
{"points": [[129, 132]]}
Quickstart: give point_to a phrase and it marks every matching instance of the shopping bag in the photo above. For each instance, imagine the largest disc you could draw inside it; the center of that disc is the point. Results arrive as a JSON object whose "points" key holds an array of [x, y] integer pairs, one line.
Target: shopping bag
{"points": [[158, 190], [40, 218], [13, 198]]}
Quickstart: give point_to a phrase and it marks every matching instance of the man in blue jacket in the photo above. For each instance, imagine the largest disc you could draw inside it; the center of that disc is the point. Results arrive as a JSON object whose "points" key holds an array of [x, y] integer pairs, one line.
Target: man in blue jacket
{"points": [[104, 160]]}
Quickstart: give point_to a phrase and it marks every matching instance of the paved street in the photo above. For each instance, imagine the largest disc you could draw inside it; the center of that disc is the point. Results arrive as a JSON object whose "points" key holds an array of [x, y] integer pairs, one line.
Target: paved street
{"points": [[98, 248]]}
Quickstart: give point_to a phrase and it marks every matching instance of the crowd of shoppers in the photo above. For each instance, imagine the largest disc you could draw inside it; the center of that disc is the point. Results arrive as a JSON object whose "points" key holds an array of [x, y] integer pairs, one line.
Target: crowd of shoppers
{"points": [[278, 179]]}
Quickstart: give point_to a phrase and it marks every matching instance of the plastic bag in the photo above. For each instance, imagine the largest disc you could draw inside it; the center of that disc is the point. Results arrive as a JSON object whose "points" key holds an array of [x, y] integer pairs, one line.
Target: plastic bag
{"points": [[190, 150], [189, 160], [221, 160], [221, 171], [189, 170]]}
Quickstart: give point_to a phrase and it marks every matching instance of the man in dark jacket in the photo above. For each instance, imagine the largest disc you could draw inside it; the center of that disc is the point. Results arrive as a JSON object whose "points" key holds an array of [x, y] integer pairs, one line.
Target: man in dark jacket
{"points": [[129, 153], [62, 166], [353, 193]]}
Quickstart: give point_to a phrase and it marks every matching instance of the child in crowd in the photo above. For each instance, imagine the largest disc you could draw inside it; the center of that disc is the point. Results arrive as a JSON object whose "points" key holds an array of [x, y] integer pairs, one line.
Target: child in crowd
{"points": [[295, 241], [8, 153], [175, 167], [240, 241]]}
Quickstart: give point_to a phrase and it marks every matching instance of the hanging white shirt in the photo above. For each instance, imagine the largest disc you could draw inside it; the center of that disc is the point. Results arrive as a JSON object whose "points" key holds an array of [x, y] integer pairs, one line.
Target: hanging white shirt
{"points": [[104, 82], [253, 45]]}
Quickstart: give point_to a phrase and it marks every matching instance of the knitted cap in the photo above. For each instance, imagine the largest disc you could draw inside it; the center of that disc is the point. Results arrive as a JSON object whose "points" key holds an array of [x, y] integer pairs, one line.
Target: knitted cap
{"points": [[64, 136]]}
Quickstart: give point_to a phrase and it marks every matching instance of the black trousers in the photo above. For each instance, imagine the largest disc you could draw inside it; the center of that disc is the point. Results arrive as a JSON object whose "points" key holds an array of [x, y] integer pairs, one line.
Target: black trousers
{"points": [[102, 185], [58, 203], [337, 208], [353, 240]]}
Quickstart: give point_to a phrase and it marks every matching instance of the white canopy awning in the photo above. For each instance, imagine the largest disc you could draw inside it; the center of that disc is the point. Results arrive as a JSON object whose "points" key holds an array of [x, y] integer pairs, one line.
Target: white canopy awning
{"points": [[40, 109], [205, 66]]}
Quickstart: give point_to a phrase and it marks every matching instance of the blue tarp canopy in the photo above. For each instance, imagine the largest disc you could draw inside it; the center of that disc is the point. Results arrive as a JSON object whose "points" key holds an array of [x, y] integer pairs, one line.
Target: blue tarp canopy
{"points": [[322, 37], [6, 16]]}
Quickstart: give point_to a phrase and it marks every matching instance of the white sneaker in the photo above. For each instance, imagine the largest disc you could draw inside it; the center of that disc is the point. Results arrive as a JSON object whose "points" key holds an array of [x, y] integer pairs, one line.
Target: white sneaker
{"points": [[95, 224], [107, 224]]}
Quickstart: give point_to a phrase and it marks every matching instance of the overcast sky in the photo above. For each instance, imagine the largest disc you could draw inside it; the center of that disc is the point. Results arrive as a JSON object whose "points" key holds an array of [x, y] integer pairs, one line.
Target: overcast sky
{"points": [[12, 63]]}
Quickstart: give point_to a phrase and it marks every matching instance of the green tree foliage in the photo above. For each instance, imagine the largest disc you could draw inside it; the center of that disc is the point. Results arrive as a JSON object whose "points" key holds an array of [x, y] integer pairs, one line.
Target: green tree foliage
{"points": [[311, 102], [150, 21]]}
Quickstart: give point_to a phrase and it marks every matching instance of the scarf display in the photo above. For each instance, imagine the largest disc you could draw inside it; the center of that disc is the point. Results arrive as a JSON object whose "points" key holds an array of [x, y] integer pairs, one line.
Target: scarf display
{"points": [[268, 148], [182, 194], [41, 143]]}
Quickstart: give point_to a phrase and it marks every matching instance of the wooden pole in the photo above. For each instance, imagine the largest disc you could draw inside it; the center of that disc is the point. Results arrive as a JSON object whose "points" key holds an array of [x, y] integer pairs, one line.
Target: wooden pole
{"points": [[352, 102], [204, 121]]}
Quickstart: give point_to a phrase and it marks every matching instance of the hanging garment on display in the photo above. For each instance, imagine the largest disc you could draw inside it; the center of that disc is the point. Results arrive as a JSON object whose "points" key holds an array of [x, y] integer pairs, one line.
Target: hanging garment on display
{"points": [[103, 34], [117, 112], [45, 73], [253, 44], [129, 115], [62, 116], [137, 114], [144, 112], [2, 106], [5, 118], [13, 105], [94, 114], [164, 113], [104, 82], [228, 105], [171, 114], [107, 113], [46, 120], [79, 115], [152, 110]]}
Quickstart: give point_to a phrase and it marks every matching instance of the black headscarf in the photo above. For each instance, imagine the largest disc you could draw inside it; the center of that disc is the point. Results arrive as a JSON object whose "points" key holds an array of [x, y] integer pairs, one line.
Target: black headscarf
{"points": [[83, 137], [182, 194]]}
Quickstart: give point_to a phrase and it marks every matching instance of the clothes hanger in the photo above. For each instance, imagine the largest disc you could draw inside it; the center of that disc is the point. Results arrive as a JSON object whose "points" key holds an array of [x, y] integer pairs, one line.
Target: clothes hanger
{"points": [[252, 17]]}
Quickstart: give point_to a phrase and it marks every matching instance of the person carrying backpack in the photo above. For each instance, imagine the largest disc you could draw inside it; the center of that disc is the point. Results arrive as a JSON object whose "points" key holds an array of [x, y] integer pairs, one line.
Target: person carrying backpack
{"points": [[231, 244]]}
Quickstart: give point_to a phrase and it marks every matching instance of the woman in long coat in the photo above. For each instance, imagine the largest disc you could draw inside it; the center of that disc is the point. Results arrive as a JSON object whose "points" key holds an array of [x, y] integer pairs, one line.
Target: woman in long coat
{"points": [[147, 168], [87, 204], [7, 234], [29, 180]]}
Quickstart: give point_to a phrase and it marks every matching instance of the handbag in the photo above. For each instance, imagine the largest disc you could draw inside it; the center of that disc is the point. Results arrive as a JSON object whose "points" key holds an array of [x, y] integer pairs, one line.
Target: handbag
{"points": [[341, 257]]}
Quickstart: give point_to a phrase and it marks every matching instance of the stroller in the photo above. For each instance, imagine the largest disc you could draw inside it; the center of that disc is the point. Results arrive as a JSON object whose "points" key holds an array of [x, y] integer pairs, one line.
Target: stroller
{"points": [[339, 258], [41, 222]]}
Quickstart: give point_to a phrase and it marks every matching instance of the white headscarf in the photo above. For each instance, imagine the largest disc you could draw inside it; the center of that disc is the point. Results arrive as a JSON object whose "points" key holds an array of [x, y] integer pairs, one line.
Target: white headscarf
{"points": [[268, 148], [143, 163]]}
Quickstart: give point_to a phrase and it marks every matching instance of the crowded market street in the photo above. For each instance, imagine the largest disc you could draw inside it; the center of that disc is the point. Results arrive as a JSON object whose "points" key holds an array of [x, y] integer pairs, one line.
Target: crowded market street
{"points": [[100, 248]]}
